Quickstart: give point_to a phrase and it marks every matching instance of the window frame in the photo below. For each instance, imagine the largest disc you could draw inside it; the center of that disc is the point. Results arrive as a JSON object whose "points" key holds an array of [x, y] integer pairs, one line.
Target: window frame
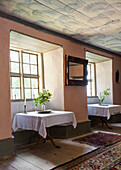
{"points": [[16, 74], [30, 75], [90, 80], [21, 74]]}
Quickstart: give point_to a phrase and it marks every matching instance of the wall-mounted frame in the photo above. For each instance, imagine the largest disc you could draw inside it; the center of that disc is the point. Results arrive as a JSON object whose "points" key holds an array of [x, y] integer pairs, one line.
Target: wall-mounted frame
{"points": [[75, 71], [117, 76]]}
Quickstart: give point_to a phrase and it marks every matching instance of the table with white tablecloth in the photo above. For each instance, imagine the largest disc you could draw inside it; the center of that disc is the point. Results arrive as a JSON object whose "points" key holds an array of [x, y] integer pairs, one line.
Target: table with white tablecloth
{"points": [[103, 110], [39, 122]]}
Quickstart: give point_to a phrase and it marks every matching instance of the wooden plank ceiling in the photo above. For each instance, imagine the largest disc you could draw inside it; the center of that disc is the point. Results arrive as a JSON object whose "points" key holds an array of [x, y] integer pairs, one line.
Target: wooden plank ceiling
{"points": [[97, 22]]}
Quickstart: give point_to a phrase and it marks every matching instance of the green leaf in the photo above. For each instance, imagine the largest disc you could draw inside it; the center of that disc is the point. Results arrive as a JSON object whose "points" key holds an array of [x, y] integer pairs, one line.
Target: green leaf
{"points": [[42, 98], [104, 94]]}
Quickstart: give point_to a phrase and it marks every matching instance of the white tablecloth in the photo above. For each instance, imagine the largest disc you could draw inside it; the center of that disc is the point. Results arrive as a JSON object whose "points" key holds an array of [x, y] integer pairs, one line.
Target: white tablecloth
{"points": [[103, 111], [39, 122]]}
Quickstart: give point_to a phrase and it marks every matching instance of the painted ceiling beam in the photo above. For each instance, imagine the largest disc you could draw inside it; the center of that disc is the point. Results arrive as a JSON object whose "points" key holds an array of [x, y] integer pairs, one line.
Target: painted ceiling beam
{"points": [[58, 34]]}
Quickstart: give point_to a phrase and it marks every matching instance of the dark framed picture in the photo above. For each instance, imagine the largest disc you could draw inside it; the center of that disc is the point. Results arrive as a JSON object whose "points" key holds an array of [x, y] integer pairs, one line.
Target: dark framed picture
{"points": [[75, 71]]}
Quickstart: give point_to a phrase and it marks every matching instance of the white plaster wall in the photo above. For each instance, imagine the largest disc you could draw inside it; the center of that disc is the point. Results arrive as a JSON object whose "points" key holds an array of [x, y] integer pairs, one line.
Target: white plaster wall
{"points": [[104, 79], [53, 78], [18, 106]]}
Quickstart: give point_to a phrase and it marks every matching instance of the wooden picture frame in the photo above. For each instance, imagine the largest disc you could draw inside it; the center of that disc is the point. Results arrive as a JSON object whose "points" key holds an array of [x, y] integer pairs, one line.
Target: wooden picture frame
{"points": [[75, 71]]}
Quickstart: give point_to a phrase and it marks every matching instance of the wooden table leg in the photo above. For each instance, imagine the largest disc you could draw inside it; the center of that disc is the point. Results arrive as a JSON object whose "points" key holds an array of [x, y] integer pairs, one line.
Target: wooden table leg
{"points": [[44, 140], [38, 142], [49, 138], [103, 121]]}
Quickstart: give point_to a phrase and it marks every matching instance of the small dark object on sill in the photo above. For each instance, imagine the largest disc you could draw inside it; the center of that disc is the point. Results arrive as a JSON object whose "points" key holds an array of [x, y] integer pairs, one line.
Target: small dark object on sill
{"points": [[44, 111], [24, 108]]}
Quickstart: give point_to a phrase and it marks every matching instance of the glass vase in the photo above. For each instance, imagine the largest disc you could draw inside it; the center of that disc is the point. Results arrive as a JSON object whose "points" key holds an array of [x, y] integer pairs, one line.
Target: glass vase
{"points": [[43, 107], [100, 102]]}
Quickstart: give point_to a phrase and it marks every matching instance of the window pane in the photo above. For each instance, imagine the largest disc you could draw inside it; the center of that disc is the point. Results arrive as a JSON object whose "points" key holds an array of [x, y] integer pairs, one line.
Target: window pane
{"points": [[27, 93], [15, 94], [14, 56], [15, 82], [33, 69], [25, 58], [12, 94], [88, 72], [34, 93], [26, 68], [33, 59], [34, 83], [27, 83], [14, 68], [89, 89]]}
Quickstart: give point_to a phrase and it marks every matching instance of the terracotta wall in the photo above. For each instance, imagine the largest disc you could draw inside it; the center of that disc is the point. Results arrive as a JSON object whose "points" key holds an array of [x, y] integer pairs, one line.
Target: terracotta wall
{"points": [[117, 86], [75, 98], [5, 114]]}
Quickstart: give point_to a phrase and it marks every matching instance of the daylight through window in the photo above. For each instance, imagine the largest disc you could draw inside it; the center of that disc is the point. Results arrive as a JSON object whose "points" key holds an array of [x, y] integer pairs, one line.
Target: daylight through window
{"points": [[24, 75], [91, 89]]}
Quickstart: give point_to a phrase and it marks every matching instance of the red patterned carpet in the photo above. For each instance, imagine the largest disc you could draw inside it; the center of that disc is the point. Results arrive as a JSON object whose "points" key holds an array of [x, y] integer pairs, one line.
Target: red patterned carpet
{"points": [[99, 139], [105, 158]]}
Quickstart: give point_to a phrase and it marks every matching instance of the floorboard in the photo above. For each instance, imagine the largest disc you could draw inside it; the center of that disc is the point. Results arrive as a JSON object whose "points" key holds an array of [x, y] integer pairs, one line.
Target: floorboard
{"points": [[20, 164], [4, 165], [47, 156]]}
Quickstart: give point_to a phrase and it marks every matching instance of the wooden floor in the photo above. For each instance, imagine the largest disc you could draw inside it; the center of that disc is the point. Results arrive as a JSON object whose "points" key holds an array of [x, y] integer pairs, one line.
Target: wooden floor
{"points": [[47, 156]]}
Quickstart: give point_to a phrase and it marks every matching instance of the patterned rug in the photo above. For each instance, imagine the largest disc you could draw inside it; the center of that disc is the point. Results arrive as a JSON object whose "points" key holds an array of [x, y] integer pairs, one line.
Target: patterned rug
{"points": [[106, 158], [99, 139]]}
